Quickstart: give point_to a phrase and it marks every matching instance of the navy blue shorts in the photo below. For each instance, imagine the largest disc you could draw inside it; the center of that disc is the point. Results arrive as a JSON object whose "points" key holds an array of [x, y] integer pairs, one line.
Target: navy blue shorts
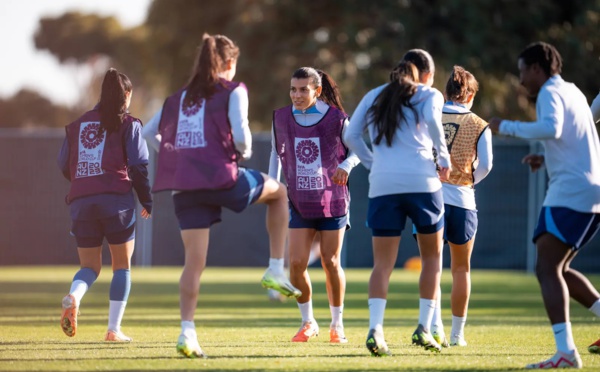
{"points": [[387, 214], [319, 224], [569, 226], [460, 224], [116, 229], [201, 209]]}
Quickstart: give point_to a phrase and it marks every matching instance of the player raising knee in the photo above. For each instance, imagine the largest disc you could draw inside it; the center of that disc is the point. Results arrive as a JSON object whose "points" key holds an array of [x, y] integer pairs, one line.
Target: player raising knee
{"points": [[201, 135]]}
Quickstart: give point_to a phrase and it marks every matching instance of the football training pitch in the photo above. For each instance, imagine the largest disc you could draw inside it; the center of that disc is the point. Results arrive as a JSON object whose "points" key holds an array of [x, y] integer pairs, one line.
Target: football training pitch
{"points": [[241, 330]]}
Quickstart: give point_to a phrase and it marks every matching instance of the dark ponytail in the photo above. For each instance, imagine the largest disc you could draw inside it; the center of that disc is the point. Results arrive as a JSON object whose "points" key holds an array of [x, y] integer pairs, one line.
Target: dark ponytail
{"points": [[113, 100], [330, 93], [213, 54], [386, 112]]}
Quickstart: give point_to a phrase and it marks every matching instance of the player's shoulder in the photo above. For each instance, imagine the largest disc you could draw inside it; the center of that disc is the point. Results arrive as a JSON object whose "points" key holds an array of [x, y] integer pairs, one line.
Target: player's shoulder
{"points": [[132, 121], [425, 93], [375, 91], [558, 90], [429, 91], [478, 120]]}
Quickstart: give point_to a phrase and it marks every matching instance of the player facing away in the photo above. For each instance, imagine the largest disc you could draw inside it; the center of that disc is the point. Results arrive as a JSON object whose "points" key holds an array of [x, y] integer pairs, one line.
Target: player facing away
{"points": [[201, 134], [307, 144], [469, 142], [570, 214], [404, 121], [103, 156]]}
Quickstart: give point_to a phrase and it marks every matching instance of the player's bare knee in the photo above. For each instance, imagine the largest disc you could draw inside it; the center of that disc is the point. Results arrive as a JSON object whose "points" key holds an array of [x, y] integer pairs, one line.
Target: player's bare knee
{"points": [[282, 192], [331, 264], [544, 270], [459, 269], [297, 265]]}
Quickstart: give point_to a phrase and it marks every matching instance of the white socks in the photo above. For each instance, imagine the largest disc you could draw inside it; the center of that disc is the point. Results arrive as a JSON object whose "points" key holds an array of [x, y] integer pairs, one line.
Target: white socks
{"points": [[188, 329], [563, 336], [78, 289], [426, 309], [458, 325], [306, 310], [116, 309], [376, 313], [276, 265], [336, 316], [436, 321], [595, 309]]}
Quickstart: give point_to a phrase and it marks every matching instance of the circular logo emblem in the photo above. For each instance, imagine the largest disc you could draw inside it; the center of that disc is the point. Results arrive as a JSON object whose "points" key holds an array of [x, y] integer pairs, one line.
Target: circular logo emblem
{"points": [[307, 151], [191, 108], [90, 138]]}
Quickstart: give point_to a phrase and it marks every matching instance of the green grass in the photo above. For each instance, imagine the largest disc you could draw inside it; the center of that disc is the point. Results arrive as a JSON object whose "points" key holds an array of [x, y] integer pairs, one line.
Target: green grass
{"points": [[241, 330]]}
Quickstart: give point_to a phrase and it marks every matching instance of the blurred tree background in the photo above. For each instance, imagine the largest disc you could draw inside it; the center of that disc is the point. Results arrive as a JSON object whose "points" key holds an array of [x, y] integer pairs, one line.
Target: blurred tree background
{"points": [[356, 41]]}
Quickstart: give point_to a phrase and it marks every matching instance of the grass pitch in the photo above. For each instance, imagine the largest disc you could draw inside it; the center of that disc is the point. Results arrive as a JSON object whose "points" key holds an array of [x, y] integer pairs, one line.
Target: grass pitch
{"points": [[241, 330]]}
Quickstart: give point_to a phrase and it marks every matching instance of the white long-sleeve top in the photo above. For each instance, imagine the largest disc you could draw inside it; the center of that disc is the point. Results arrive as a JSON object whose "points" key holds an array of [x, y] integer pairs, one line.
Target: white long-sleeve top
{"points": [[566, 129], [464, 196], [407, 166], [596, 108], [237, 113], [305, 119]]}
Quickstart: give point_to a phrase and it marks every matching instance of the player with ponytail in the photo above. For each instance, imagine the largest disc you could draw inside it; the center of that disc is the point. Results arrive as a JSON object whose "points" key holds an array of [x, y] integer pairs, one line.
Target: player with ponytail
{"points": [[307, 145], [403, 118], [201, 134], [104, 157]]}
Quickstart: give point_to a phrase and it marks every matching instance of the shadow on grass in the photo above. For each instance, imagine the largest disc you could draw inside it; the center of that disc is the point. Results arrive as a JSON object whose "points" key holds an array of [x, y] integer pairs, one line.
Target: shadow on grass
{"points": [[160, 295]]}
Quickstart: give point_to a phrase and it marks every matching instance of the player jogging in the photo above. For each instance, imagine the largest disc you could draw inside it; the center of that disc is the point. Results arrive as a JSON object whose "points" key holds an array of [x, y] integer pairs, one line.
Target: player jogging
{"points": [[570, 215], [104, 156]]}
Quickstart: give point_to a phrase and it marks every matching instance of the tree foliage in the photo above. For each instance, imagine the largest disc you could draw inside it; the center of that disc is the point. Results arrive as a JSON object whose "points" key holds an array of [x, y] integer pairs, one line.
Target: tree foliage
{"points": [[357, 42], [28, 108]]}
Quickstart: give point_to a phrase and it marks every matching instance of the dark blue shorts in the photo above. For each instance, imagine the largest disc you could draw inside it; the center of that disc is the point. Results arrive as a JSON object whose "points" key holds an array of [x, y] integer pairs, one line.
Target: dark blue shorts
{"points": [[569, 226], [117, 229], [201, 209], [319, 224], [387, 214], [460, 224]]}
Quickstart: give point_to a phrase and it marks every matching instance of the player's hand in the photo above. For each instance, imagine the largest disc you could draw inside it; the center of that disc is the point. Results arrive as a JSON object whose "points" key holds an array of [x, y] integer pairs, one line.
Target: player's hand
{"points": [[340, 177], [535, 161], [494, 124], [444, 174], [145, 214]]}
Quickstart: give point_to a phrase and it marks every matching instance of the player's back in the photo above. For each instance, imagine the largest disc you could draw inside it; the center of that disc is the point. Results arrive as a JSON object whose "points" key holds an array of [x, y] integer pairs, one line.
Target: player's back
{"points": [[573, 157]]}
